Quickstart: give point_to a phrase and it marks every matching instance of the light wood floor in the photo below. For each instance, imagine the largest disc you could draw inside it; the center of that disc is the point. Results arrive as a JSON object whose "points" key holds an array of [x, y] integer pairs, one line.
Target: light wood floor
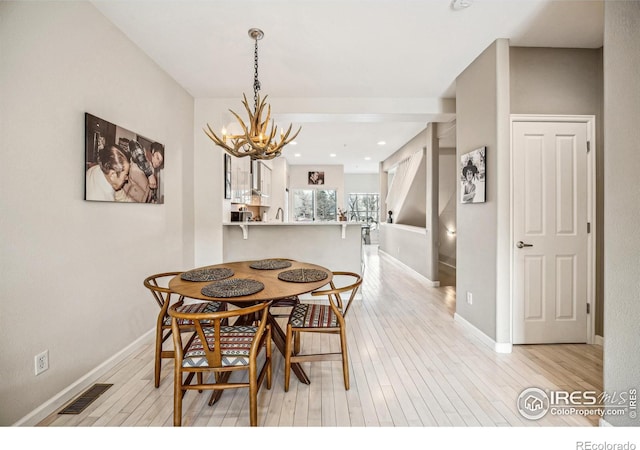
{"points": [[411, 365]]}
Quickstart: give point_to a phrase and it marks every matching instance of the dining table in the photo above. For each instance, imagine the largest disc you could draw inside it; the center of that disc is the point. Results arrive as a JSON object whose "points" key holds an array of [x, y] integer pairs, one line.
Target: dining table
{"points": [[244, 283]]}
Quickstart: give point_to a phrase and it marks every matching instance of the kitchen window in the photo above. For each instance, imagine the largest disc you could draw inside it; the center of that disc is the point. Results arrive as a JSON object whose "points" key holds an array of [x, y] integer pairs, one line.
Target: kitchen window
{"points": [[314, 205]]}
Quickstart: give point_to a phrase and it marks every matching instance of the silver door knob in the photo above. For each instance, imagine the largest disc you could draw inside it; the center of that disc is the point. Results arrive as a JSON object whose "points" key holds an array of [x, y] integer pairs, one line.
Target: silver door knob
{"points": [[521, 244]]}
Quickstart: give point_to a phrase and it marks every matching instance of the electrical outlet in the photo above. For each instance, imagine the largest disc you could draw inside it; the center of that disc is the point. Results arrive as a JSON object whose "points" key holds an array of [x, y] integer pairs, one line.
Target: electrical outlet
{"points": [[42, 362], [469, 298]]}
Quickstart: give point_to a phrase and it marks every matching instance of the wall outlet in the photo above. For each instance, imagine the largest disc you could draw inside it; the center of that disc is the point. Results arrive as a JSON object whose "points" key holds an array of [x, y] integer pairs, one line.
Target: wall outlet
{"points": [[469, 298], [42, 362]]}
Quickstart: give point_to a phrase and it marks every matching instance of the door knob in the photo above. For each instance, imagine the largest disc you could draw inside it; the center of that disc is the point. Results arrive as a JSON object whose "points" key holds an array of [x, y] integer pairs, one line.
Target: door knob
{"points": [[521, 244]]}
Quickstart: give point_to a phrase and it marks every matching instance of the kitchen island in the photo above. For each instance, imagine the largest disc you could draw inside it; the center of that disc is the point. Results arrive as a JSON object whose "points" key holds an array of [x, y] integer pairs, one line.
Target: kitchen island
{"points": [[334, 245]]}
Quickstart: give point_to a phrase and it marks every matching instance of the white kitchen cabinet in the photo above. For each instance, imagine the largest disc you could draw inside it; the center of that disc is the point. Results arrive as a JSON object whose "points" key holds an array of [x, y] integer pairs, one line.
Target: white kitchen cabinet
{"points": [[240, 180]]}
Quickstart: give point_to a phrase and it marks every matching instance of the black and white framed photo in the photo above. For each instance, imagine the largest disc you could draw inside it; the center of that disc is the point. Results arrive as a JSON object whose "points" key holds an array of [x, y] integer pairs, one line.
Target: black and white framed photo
{"points": [[121, 165], [316, 177], [472, 176]]}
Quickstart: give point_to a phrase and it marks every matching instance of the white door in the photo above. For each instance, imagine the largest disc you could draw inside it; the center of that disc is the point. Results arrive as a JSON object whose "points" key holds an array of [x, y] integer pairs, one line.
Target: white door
{"points": [[550, 232]]}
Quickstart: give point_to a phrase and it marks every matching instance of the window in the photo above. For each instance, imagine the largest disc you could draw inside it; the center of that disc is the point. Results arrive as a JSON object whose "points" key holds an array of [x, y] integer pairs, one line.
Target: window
{"points": [[364, 208], [314, 204]]}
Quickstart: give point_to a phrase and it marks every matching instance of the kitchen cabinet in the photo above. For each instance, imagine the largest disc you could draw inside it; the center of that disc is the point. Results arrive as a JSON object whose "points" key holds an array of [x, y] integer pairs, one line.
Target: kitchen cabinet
{"points": [[250, 182], [265, 184], [240, 180]]}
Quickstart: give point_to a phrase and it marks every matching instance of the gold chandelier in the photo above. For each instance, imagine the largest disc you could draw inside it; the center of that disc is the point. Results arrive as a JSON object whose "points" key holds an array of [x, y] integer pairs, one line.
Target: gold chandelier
{"points": [[256, 139]]}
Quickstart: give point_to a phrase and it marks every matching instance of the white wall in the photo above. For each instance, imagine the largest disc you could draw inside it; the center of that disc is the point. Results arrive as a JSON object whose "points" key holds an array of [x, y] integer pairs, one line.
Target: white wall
{"points": [[622, 210], [72, 270], [361, 183]]}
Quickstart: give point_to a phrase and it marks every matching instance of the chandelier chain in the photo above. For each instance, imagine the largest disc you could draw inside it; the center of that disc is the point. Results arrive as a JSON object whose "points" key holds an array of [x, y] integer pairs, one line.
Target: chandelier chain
{"points": [[258, 138], [256, 82]]}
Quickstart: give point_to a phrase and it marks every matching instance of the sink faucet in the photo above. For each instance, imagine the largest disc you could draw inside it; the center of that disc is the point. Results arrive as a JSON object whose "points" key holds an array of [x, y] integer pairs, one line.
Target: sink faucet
{"points": [[278, 216]]}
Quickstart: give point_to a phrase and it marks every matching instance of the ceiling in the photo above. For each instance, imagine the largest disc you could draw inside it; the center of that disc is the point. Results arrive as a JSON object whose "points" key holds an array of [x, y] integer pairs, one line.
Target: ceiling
{"points": [[350, 72]]}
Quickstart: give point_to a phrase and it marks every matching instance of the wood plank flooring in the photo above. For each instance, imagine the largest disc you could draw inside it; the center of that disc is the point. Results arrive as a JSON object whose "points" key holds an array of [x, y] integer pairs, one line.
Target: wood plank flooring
{"points": [[411, 365]]}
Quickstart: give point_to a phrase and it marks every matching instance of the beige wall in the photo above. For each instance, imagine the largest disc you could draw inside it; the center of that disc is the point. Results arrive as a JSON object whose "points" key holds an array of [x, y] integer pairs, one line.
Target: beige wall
{"points": [[621, 207], [565, 81], [481, 115], [72, 270]]}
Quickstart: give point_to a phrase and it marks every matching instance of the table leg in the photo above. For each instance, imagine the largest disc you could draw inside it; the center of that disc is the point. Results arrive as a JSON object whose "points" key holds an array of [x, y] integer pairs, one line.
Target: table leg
{"points": [[279, 338]]}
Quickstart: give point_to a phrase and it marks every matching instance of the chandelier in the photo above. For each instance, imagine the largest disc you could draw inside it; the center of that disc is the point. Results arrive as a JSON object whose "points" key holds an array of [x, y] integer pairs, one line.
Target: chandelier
{"points": [[257, 139]]}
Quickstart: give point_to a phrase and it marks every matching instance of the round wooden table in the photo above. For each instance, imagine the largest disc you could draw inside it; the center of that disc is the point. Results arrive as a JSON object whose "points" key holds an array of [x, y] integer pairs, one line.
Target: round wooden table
{"points": [[274, 289]]}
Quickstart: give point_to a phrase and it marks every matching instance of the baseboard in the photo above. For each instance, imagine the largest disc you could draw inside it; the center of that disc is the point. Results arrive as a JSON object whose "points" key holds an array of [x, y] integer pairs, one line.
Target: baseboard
{"points": [[63, 397], [599, 340], [498, 347], [431, 283]]}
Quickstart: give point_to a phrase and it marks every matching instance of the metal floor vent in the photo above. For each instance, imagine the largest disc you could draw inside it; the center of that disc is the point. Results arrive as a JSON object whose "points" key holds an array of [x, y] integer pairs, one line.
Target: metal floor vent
{"points": [[85, 399]]}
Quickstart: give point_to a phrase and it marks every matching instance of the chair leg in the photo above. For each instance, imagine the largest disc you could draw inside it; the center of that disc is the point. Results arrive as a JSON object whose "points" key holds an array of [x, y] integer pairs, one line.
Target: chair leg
{"points": [[268, 349], [287, 357], [345, 358], [296, 342], [177, 398], [253, 395], [158, 361]]}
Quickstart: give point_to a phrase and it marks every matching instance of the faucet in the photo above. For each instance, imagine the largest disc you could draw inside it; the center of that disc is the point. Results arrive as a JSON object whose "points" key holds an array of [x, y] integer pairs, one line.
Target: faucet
{"points": [[278, 216]]}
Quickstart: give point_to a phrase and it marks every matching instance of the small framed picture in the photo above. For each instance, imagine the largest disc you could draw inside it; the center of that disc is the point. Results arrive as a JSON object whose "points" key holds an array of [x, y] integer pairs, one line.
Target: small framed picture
{"points": [[316, 177], [472, 176]]}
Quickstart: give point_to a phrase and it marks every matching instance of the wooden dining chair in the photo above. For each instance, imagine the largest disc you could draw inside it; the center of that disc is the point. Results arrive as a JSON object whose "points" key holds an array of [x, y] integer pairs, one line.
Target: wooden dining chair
{"points": [[322, 318], [157, 284], [222, 350]]}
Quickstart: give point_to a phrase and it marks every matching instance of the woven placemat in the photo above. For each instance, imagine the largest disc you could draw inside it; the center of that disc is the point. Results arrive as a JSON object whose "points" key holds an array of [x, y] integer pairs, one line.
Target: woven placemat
{"points": [[236, 287], [303, 275], [212, 274], [270, 264]]}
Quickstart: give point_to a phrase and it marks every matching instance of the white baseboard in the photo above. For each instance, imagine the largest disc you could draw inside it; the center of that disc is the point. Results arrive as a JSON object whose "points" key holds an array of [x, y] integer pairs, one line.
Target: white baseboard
{"points": [[429, 282], [599, 340], [498, 347], [63, 397]]}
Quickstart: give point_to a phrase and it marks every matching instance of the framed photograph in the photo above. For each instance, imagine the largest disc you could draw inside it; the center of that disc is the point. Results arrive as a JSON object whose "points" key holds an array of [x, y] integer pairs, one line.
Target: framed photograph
{"points": [[227, 176], [121, 165], [316, 177], [473, 176]]}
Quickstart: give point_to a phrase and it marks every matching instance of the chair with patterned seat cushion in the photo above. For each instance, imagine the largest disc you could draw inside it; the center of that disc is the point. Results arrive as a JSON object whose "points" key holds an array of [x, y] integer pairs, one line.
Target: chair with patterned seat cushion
{"points": [[157, 284], [222, 350], [322, 318]]}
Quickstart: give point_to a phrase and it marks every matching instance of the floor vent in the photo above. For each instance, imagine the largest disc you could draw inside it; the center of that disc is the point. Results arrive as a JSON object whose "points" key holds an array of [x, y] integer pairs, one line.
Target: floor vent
{"points": [[85, 399]]}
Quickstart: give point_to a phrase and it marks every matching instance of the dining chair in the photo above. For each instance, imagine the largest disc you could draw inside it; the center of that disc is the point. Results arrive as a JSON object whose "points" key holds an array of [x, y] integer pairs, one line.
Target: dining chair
{"points": [[322, 318], [222, 347], [158, 285]]}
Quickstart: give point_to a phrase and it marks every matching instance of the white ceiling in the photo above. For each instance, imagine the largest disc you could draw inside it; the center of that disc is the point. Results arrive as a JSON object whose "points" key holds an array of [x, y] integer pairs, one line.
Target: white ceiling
{"points": [[350, 72]]}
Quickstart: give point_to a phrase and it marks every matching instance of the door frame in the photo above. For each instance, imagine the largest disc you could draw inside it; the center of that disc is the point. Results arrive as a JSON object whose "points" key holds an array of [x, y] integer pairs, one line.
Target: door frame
{"points": [[590, 121]]}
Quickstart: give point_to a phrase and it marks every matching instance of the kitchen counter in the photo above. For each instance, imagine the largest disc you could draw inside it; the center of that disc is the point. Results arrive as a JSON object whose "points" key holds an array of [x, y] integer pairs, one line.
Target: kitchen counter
{"points": [[244, 226], [335, 245], [277, 222]]}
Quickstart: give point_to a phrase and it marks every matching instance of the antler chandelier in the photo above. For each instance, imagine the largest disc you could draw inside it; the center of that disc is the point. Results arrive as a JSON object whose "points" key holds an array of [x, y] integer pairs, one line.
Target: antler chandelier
{"points": [[256, 139]]}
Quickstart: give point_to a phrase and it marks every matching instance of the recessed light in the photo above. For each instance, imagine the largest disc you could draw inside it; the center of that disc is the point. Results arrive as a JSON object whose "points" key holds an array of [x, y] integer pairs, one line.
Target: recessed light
{"points": [[333, 155], [367, 158], [381, 142], [293, 143], [297, 155]]}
